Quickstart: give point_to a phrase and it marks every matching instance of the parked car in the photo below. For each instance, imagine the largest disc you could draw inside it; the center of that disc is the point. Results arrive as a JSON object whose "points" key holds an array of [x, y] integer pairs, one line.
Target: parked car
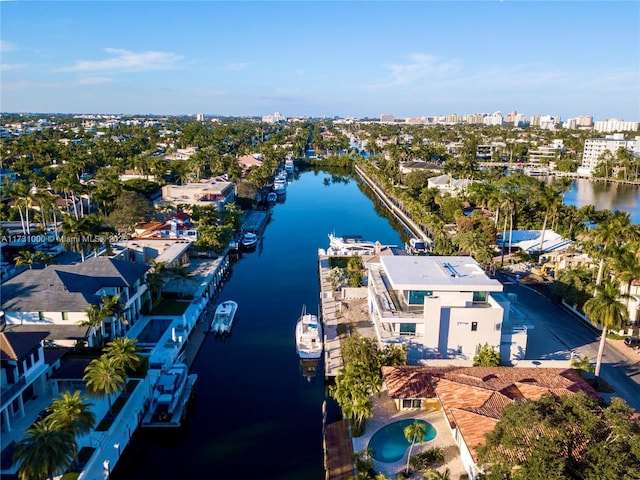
{"points": [[633, 342]]}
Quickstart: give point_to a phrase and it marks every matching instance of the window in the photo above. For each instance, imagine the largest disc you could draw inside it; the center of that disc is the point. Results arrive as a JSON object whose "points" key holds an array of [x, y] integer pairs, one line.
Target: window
{"points": [[416, 297], [474, 326], [480, 297], [407, 329], [41, 316], [65, 315], [411, 403]]}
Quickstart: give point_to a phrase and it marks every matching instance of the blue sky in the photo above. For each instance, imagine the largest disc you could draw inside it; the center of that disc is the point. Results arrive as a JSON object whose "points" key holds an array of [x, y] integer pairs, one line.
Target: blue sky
{"points": [[329, 58]]}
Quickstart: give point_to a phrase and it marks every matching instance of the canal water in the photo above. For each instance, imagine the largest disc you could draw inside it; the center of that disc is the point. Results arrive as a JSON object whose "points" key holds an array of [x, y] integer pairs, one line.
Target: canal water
{"points": [[255, 414], [605, 195]]}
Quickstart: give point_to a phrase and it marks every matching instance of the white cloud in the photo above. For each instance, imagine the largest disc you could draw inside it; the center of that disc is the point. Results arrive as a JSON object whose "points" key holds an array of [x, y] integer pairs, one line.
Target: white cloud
{"points": [[5, 67], [127, 61], [7, 47], [237, 66], [420, 66]]}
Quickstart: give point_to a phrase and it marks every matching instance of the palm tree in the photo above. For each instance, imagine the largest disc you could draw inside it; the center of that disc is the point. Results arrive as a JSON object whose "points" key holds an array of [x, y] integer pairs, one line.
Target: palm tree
{"points": [[414, 433], [22, 197], [436, 475], [71, 412], [26, 257], [113, 308], [95, 320], [104, 377], [125, 351], [605, 310], [156, 277], [44, 452]]}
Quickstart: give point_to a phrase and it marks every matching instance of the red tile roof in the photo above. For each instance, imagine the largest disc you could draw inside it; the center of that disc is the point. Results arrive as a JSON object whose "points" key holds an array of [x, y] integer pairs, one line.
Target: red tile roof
{"points": [[473, 397]]}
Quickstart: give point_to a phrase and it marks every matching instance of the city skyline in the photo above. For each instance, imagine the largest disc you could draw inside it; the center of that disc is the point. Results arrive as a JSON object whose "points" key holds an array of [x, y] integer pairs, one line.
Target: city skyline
{"points": [[322, 59]]}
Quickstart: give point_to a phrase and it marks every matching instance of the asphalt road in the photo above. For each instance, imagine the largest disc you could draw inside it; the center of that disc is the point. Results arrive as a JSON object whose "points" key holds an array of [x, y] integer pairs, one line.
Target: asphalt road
{"points": [[557, 333]]}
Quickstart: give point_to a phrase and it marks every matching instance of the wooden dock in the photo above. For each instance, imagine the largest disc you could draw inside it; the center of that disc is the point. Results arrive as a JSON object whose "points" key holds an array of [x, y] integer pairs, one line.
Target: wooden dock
{"points": [[256, 220], [329, 312]]}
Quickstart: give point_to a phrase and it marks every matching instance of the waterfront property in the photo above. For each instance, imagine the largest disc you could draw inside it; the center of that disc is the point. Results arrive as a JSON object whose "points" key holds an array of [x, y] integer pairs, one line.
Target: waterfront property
{"points": [[472, 398], [215, 191], [442, 307], [59, 296]]}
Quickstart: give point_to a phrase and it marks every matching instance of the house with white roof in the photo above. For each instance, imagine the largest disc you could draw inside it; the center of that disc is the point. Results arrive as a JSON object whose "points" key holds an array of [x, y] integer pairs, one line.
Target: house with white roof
{"points": [[442, 307], [446, 183]]}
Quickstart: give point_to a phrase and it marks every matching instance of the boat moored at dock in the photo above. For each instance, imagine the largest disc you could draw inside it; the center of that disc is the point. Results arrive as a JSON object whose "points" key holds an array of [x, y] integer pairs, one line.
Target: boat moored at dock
{"points": [[308, 335], [223, 317], [170, 397]]}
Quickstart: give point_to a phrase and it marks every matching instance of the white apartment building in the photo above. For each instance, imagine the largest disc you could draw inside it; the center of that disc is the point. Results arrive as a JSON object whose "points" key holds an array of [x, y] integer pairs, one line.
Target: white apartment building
{"points": [[442, 307], [615, 125], [595, 147]]}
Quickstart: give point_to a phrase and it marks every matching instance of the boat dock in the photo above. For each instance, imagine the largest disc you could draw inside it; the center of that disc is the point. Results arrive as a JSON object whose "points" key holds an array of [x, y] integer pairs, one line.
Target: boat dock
{"points": [[329, 311], [256, 220]]}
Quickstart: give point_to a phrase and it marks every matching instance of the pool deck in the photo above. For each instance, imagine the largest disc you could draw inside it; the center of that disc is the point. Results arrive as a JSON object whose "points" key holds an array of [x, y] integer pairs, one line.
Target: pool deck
{"points": [[386, 413]]}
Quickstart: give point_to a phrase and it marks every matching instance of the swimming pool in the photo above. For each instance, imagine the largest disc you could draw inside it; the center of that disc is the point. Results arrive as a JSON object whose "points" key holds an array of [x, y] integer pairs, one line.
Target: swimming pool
{"points": [[153, 331], [389, 444]]}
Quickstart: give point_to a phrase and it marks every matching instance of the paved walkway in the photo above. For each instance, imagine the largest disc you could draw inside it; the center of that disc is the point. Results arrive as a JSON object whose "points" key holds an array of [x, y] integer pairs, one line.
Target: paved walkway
{"points": [[385, 413]]}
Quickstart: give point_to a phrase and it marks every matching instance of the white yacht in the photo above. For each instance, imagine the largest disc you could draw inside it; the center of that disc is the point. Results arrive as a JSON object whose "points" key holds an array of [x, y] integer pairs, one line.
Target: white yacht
{"points": [[308, 335], [347, 245]]}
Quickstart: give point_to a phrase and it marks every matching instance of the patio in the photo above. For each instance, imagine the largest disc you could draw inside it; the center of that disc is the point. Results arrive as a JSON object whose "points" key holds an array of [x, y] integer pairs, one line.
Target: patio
{"points": [[385, 413]]}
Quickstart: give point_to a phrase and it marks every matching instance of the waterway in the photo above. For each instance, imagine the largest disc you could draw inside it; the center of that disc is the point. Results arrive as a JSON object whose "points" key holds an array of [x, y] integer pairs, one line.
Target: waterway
{"points": [[605, 195], [255, 414]]}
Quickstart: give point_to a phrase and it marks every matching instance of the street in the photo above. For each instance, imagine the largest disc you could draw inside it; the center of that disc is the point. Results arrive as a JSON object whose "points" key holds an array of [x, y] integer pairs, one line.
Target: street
{"points": [[557, 333]]}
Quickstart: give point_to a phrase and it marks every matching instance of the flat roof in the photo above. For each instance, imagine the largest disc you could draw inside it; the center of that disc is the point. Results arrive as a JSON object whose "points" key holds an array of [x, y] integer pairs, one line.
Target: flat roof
{"points": [[439, 273]]}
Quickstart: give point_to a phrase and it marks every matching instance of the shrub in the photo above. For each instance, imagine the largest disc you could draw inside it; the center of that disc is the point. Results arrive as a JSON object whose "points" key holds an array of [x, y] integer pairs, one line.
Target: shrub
{"points": [[429, 458]]}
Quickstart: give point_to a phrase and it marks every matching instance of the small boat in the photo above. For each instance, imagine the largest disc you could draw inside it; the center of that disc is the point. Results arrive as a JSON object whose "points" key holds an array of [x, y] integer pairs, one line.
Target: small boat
{"points": [[347, 245], [272, 197], [308, 335], [223, 317], [249, 240], [170, 396]]}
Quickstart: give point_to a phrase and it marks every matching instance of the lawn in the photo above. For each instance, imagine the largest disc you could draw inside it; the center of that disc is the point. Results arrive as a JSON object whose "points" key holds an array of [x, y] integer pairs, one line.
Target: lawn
{"points": [[170, 306]]}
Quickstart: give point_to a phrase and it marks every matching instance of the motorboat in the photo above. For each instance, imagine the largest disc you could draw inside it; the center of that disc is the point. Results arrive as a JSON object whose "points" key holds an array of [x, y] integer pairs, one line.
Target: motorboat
{"points": [[308, 335], [249, 240], [223, 317], [347, 245], [289, 166], [279, 186], [170, 396]]}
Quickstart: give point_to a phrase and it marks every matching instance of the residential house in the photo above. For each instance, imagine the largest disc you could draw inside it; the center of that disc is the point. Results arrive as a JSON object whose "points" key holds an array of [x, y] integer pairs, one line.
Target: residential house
{"points": [[59, 295], [447, 184], [417, 166], [23, 375], [214, 191], [178, 225], [442, 307], [472, 398], [247, 162]]}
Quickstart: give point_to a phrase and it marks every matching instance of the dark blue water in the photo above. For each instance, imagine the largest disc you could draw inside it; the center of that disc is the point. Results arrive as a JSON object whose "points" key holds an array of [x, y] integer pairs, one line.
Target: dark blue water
{"points": [[256, 416]]}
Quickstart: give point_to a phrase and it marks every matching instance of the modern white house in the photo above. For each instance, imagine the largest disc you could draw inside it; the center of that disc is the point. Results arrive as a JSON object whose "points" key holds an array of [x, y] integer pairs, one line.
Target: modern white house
{"points": [[442, 307], [55, 299]]}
